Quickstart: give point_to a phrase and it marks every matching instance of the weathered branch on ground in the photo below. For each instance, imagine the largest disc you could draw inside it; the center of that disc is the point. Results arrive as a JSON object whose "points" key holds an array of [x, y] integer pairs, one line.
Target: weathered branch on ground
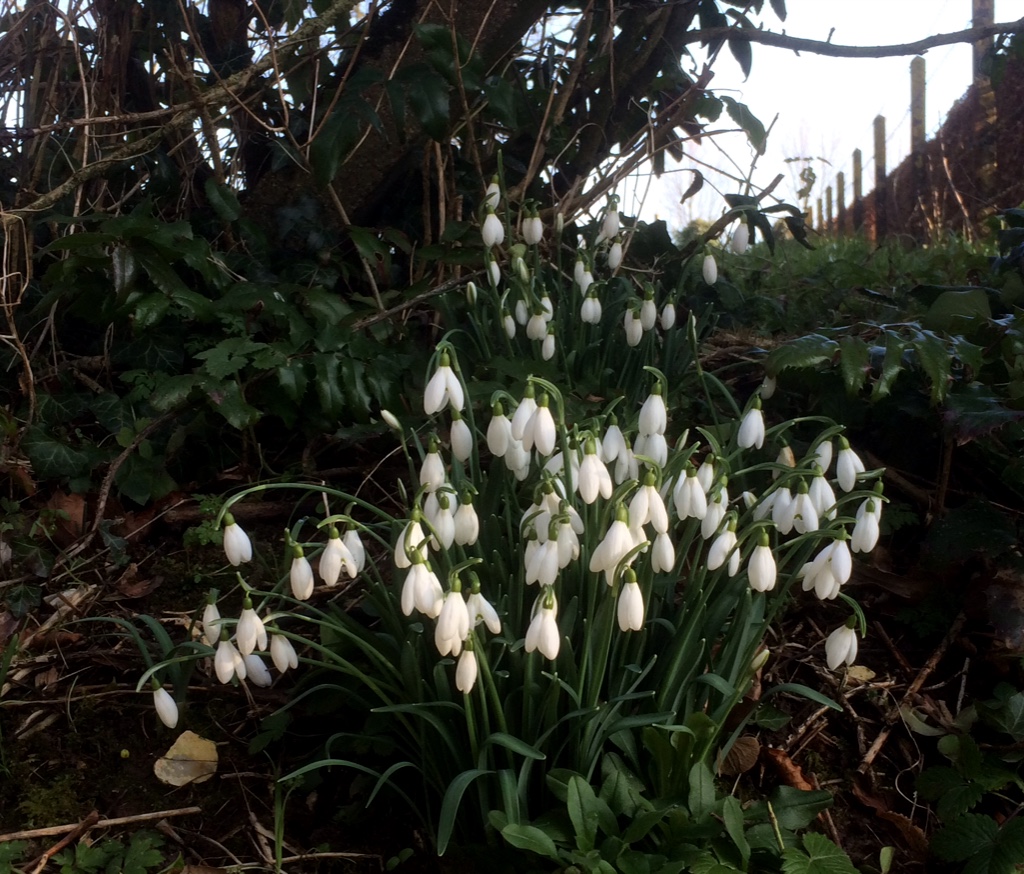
{"points": [[835, 50]]}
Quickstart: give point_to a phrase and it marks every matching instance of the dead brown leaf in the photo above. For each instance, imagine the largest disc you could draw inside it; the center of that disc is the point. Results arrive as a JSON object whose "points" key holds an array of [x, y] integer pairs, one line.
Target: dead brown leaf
{"points": [[788, 770], [70, 520], [741, 757]]}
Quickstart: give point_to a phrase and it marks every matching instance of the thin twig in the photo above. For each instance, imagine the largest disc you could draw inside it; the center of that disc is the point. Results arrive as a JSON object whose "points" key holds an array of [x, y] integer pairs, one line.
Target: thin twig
{"points": [[54, 830]]}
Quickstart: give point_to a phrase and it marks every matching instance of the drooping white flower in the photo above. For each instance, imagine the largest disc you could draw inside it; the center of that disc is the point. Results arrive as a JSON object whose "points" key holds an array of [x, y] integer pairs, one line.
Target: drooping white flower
{"points": [[709, 269], [228, 661], [613, 443], [688, 497], [527, 407], [653, 414], [611, 225], [443, 388], [543, 567], [466, 671], [848, 465], [615, 256], [568, 542], [585, 280], [543, 635], [634, 329], [786, 458], [579, 268], [467, 523], [335, 557], [461, 438], [166, 708], [499, 431], [492, 195], [443, 523], [593, 478], [823, 455], [547, 346], [630, 612], [540, 432], [533, 230], [256, 671], [751, 431], [740, 238], [783, 510], [626, 466], [422, 590], [282, 653], [481, 610], [411, 541], [618, 542], [432, 474], [841, 561], [822, 496], [805, 516], [663, 554], [537, 327], [237, 546], [654, 447], [354, 544], [301, 575], [866, 530], [761, 570], [452, 623], [668, 315], [250, 632], [716, 512], [723, 549], [494, 274], [492, 232], [509, 324], [768, 386], [590, 310], [648, 506], [706, 474], [648, 314], [841, 647], [211, 621]]}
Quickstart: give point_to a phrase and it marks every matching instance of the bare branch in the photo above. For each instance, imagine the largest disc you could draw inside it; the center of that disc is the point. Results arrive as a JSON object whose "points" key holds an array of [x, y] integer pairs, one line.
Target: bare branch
{"points": [[817, 47]]}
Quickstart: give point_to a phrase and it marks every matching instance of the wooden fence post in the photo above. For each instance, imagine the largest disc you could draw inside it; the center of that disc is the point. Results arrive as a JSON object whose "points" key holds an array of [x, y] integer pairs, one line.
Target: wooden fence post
{"points": [[985, 122], [881, 186], [917, 140], [819, 213], [858, 192], [828, 211], [840, 204]]}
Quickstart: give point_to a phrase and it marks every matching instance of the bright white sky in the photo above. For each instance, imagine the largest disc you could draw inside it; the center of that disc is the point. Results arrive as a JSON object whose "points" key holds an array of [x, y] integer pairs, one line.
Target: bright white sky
{"points": [[826, 106]]}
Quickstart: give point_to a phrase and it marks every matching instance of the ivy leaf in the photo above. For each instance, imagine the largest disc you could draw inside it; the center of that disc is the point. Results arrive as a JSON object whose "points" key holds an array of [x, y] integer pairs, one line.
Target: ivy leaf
{"points": [[819, 856], [52, 459]]}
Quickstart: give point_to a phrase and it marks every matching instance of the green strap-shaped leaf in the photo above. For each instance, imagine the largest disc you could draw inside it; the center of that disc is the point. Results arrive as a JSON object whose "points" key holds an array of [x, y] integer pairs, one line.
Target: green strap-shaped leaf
{"points": [[450, 805]]}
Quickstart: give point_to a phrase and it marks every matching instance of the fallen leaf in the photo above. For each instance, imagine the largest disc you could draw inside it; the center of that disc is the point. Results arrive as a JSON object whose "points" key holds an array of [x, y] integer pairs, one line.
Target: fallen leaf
{"points": [[860, 674], [191, 759], [70, 518], [741, 757], [788, 770]]}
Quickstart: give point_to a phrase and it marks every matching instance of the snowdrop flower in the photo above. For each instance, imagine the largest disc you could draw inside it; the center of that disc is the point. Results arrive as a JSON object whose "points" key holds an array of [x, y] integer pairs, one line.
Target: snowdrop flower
{"points": [[522, 312], [706, 474], [492, 231], [452, 623], [613, 443], [256, 671], [648, 312], [841, 646], [634, 329], [432, 475], [411, 542], [211, 620], [688, 496], [647, 506], [422, 590], [579, 268], [335, 557], [786, 458], [540, 432], [466, 671], [282, 653], [537, 327], [301, 575], [585, 281], [527, 407], [618, 542], [768, 386], [805, 517], [783, 510], [461, 437], [542, 635], [467, 523], [499, 431], [494, 274], [631, 606], [250, 633], [517, 460], [590, 310], [717, 508], [443, 388], [522, 271], [443, 523], [866, 529], [568, 542], [823, 455], [740, 238], [509, 324], [593, 478], [654, 447], [481, 610], [391, 420], [751, 431], [723, 548], [492, 196], [663, 554], [709, 269], [822, 496], [166, 708], [841, 560], [761, 566], [668, 315], [615, 256], [547, 346], [533, 230], [471, 293], [237, 546], [626, 466], [653, 414], [611, 225], [228, 661], [848, 465], [543, 564]]}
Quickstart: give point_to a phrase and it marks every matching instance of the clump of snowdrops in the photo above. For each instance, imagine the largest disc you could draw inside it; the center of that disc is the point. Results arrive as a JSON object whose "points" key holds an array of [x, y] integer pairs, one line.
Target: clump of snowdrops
{"points": [[568, 572]]}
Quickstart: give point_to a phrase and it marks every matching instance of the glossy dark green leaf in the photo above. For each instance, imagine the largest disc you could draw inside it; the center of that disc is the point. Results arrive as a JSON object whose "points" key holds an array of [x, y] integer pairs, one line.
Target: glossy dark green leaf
{"points": [[751, 125], [743, 53], [429, 101], [853, 362], [223, 200], [892, 364]]}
